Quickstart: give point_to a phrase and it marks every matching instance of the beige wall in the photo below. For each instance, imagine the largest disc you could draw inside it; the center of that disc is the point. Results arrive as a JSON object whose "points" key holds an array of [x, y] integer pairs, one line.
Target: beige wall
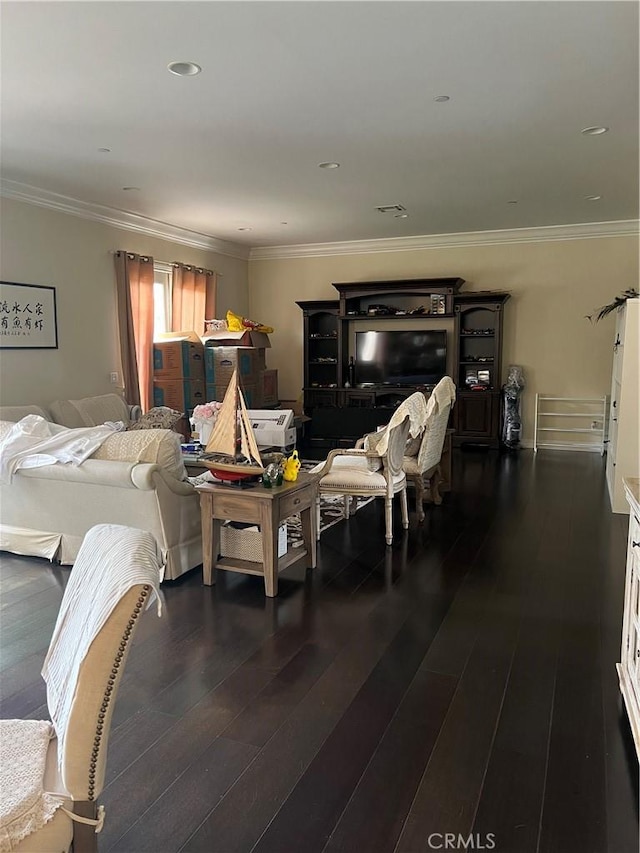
{"points": [[552, 285], [40, 246]]}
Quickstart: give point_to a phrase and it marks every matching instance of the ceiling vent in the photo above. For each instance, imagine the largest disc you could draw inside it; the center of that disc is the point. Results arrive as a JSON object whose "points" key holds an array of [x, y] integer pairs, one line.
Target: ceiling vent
{"points": [[391, 208]]}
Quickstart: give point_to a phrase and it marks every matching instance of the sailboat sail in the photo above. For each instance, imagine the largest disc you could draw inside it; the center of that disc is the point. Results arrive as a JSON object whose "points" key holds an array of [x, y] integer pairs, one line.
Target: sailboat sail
{"points": [[248, 436], [223, 435], [233, 423]]}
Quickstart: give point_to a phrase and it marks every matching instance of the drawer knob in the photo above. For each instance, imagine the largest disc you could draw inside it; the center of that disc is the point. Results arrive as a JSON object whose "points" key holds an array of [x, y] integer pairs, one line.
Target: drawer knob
{"points": [[296, 501]]}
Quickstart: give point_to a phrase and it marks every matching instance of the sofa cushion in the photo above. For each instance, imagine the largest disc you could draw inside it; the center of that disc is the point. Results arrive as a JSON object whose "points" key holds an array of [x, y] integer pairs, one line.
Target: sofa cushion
{"points": [[160, 417], [160, 446], [90, 411], [16, 413]]}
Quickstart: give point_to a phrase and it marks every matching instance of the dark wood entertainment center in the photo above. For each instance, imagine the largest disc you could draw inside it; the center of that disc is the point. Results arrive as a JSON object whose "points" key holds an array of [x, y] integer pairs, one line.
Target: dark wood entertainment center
{"points": [[342, 412]]}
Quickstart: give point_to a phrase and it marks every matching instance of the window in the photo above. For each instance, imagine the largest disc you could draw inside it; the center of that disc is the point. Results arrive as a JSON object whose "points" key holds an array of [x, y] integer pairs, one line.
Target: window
{"points": [[161, 299]]}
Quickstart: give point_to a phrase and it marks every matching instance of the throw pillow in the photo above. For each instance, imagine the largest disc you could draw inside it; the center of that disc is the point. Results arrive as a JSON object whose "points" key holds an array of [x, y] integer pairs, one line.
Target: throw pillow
{"points": [[160, 417], [161, 446]]}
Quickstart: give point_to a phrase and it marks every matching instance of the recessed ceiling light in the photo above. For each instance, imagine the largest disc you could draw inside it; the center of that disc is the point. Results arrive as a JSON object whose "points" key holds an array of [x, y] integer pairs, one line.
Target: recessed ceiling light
{"points": [[401, 216], [328, 165], [440, 99], [594, 131], [592, 197], [244, 228], [104, 150], [184, 69], [134, 189]]}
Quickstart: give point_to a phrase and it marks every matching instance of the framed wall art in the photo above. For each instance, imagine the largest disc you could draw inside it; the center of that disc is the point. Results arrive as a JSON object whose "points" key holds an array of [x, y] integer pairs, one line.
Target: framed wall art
{"points": [[28, 317]]}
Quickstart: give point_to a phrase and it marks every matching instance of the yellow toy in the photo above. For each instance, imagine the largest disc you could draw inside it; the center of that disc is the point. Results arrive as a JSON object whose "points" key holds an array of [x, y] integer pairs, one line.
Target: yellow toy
{"points": [[291, 467], [235, 323]]}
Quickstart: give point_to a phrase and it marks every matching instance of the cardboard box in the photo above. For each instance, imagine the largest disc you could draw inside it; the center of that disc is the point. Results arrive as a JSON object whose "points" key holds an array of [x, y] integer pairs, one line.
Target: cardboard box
{"points": [[180, 394], [268, 384], [236, 339], [178, 360], [220, 362], [246, 543], [194, 337], [296, 405], [251, 393]]}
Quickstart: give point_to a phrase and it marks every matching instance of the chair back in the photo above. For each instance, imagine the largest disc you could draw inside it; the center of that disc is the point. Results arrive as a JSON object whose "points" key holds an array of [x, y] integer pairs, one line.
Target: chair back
{"points": [[437, 417], [410, 414], [99, 615], [433, 437], [394, 456]]}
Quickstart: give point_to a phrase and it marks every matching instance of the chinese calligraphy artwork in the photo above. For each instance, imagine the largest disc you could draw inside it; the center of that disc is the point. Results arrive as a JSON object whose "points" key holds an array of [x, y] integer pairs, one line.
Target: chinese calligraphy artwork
{"points": [[27, 316]]}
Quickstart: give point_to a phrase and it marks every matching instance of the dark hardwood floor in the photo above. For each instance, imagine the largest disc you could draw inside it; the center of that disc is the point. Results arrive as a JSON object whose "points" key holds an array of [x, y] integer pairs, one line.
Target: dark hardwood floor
{"points": [[460, 682]]}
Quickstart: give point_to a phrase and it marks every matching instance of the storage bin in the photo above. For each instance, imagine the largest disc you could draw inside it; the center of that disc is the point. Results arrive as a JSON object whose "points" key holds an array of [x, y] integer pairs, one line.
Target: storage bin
{"points": [[245, 543]]}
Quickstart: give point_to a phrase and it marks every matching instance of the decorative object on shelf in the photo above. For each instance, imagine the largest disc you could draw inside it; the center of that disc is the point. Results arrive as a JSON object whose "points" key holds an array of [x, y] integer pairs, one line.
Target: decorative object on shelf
{"points": [[232, 428], [438, 304], [291, 467], [351, 371], [599, 313], [273, 475], [28, 317]]}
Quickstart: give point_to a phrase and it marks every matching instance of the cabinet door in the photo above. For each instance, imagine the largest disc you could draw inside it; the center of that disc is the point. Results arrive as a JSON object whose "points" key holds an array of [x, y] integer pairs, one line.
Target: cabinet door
{"points": [[476, 414], [631, 624]]}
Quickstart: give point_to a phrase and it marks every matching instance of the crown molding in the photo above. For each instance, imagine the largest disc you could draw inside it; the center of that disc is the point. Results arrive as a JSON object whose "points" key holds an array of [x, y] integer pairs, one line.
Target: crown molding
{"points": [[183, 236], [584, 231], [120, 219]]}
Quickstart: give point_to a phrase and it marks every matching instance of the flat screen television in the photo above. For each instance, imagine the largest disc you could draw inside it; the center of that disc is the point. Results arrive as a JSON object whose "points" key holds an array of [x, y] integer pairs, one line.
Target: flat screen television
{"points": [[401, 357]]}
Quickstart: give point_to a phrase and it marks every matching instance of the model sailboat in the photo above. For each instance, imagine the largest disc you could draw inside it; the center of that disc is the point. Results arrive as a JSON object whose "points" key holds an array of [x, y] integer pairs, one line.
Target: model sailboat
{"points": [[232, 444]]}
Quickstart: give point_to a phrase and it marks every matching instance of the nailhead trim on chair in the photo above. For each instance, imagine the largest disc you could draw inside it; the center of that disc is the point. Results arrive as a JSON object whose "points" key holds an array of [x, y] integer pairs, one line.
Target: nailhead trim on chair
{"points": [[95, 752]]}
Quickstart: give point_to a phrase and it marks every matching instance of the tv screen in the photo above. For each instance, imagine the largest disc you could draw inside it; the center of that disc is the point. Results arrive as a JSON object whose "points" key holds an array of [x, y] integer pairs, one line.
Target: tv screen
{"points": [[401, 357]]}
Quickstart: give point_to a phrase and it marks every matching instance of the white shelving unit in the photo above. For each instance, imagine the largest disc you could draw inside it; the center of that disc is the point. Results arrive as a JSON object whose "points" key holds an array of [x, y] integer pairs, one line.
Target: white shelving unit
{"points": [[570, 423], [623, 449]]}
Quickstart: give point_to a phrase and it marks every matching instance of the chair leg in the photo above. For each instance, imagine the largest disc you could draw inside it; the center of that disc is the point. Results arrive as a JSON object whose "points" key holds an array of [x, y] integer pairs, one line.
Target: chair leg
{"points": [[403, 508], [318, 517], [347, 502], [85, 839], [419, 484], [434, 482], [388, 519]]}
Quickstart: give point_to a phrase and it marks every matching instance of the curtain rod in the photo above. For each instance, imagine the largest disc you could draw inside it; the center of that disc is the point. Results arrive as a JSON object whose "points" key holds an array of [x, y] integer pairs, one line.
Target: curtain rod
{"points": [[169, 264]]}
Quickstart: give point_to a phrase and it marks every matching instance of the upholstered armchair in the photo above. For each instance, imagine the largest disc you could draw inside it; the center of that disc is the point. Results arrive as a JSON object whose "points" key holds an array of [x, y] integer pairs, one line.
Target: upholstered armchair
{"points": [[422, 454], [51, 774], [375, 469]]}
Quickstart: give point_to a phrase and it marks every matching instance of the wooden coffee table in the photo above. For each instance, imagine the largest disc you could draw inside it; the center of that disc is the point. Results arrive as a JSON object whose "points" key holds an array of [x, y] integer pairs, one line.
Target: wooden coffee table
{"points": [[267, 508]]}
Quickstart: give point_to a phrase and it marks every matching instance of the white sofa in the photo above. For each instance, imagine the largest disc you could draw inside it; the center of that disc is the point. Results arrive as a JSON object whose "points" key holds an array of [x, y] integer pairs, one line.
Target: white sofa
{"points": [[135, 478]]}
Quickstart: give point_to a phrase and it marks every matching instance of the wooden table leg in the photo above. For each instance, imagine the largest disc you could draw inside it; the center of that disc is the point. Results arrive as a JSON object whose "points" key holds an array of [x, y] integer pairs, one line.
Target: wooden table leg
{"points": [[307, 522], [208, 557], [269, 527]]}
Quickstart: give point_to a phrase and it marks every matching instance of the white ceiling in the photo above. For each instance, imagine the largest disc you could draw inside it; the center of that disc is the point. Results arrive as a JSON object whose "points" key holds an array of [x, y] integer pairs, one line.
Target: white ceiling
{"points": [[288, 85]]}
